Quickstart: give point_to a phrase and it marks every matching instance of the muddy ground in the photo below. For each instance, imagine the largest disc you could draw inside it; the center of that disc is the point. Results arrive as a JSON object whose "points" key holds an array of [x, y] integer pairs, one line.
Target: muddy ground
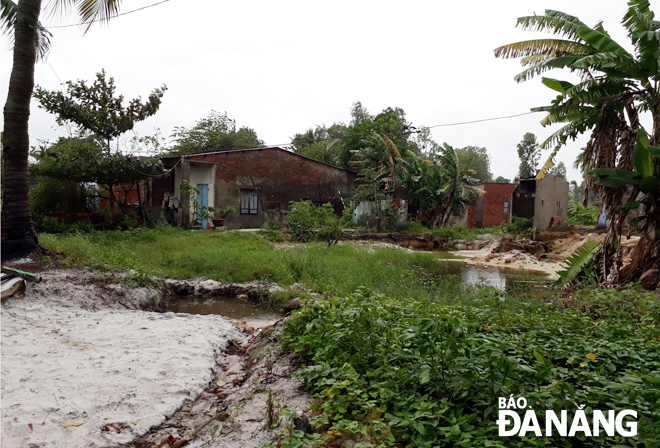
{"points": [[86, 364], [556, 248]]}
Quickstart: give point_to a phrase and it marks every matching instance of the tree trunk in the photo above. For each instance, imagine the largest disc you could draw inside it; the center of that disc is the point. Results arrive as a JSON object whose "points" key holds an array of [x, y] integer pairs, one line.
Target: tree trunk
{"points": [[18, 235]]}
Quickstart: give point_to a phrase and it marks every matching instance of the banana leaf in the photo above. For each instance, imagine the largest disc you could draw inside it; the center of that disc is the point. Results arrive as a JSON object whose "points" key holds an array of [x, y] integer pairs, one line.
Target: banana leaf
{"points": [[574, 264]]}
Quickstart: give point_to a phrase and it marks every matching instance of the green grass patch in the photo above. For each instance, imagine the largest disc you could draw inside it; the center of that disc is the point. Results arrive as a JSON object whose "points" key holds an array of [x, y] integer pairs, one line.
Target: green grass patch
{"points": [[244, 256], [411, 372]]}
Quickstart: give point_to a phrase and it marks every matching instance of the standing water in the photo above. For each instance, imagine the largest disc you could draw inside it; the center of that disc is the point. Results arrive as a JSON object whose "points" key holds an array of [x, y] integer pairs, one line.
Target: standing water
{"points": [[255, 315]]}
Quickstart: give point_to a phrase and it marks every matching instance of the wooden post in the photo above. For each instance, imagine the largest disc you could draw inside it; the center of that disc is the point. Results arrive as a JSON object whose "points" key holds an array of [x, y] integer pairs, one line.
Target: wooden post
{"points": [[185, 201]]}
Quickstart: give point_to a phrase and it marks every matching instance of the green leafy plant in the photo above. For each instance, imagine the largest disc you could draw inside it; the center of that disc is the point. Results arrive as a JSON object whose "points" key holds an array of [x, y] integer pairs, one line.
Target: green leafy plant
{"points": [[575, 264], [52, 225], [578, 214], [225, 211], [310, 222], [419, 373]]}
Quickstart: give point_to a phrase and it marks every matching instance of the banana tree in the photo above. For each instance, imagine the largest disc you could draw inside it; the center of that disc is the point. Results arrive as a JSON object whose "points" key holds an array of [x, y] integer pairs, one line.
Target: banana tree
{"points": [[614, 87], [437, 185]]}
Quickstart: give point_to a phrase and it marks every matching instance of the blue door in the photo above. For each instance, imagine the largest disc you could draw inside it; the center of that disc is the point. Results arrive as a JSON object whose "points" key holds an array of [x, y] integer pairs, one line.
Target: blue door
{"points": [[203, 201]]}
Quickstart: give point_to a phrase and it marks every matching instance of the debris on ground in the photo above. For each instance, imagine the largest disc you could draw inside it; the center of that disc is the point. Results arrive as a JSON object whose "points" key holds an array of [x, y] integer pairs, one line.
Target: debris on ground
{"points": [[532, 247], [423, 241], [13, 282]]}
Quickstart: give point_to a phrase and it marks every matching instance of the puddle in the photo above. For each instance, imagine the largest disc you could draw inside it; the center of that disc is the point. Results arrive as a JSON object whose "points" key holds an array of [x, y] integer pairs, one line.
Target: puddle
{"points": [[499, 278], [255, 315]]}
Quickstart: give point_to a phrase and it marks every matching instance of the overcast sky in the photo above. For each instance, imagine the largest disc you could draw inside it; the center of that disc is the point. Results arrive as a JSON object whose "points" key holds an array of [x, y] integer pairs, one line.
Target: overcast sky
{"points": [[281, 67]]}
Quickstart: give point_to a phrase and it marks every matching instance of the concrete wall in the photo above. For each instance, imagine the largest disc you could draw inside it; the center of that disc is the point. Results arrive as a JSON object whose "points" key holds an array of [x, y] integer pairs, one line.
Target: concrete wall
{"points": [[279, 176], [374, 214], [551, 199]]}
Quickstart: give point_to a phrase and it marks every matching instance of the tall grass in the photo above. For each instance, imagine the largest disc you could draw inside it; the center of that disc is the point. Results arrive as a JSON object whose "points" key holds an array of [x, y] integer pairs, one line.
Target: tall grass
{"points": [[239, 257]]}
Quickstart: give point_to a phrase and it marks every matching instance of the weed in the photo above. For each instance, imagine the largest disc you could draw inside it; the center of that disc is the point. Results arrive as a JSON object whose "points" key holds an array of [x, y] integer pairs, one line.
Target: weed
{"points": [[271, 413], [416, 372]]}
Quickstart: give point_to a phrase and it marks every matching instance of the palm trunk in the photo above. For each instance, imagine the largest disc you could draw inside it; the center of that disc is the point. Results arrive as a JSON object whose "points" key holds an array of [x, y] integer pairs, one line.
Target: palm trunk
{"points": [[18, 236]]}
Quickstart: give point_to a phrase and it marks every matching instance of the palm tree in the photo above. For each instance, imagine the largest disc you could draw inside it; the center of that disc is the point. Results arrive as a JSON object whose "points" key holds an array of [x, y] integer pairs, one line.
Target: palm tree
{"points": [[615, 86], [18, 235]]}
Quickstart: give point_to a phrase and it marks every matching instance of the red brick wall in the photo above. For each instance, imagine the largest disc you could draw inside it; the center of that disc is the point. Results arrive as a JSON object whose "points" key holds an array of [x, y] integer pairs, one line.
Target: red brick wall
{"points": [[125, 194], [472, 214], [493, 212], [494, 203]]}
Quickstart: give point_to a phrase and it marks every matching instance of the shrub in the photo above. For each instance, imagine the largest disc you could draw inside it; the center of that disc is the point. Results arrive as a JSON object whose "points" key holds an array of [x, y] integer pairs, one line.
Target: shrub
{"points": [[518, 226], [102, 219], [413, 227], [54, 196], [579, 215], [84, 226], [457, 232], [127, 223], [310, 222], [51, 225]]}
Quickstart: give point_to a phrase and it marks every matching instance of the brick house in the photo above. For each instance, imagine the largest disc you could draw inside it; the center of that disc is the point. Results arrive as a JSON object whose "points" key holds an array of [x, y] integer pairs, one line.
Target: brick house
{"points": [[492, 208], [258, 182]]}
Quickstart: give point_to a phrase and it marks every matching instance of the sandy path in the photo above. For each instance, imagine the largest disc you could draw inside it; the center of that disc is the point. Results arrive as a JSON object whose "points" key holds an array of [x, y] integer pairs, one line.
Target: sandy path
{"points": [[63, 362]]}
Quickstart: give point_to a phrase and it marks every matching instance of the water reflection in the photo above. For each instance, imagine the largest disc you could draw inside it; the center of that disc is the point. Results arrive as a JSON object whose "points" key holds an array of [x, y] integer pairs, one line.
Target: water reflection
{"points": [[499, 278]]}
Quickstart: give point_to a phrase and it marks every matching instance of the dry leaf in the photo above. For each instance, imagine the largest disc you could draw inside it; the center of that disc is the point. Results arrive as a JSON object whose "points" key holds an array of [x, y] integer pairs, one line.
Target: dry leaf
{"points": [[220, 383], [30, 426], [212, 412], [66, 425], [591, 356], [134, 422], [31, 390]]}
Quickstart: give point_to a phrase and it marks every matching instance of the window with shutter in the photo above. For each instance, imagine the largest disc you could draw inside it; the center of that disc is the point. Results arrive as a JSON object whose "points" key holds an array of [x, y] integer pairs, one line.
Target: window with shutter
{"points": [[249, 202]]}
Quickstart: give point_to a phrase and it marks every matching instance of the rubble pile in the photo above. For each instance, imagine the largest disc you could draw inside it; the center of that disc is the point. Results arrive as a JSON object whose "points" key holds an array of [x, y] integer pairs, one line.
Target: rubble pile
{"points": [[514, 255]]}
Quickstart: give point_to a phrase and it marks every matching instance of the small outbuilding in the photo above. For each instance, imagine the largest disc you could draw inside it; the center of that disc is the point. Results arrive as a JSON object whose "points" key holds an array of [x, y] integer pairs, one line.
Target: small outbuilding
{"points": [[544, 201]]}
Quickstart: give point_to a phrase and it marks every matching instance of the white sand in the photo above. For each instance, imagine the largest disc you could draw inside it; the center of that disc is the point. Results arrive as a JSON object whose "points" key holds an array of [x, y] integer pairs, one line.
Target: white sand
{"points": [[63, 361]]}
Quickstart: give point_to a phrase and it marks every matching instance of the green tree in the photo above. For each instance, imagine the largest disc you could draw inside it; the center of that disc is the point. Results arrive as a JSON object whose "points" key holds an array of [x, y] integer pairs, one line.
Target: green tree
{"points": [[501, 180], [476, 159], [320, 143], [18, 236], [86, 159], [100, 116], [215, 132], [558, 170], [360, 143], [614, 87], [96, 108], [529, 155]]}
